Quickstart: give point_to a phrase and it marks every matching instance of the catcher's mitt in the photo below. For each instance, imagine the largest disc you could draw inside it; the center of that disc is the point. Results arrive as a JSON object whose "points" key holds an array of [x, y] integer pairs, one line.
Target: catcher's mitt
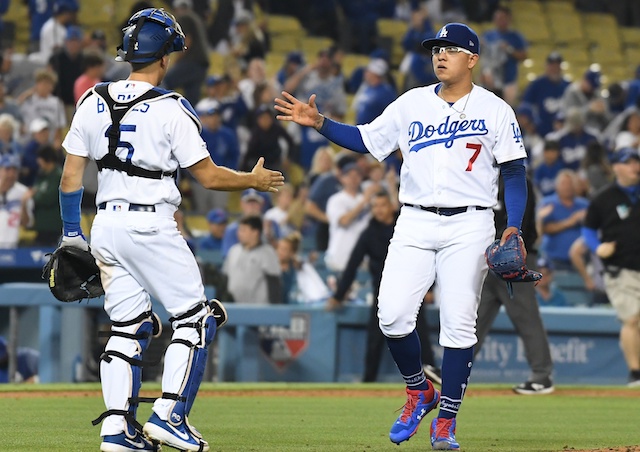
{"points": [[72, 274], [508, 262]]}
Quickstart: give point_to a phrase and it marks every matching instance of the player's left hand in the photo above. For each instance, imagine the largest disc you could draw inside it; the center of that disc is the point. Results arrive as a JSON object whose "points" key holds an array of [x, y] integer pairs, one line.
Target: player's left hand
{"points": [[78, 241], [266, 179], [507, 232]]}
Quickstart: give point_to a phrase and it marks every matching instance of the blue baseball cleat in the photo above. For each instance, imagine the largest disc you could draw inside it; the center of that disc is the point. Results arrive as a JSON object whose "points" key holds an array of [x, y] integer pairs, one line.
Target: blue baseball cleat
{"points": [[443, 434], [419, 403], [178, 436], [123, 443]]}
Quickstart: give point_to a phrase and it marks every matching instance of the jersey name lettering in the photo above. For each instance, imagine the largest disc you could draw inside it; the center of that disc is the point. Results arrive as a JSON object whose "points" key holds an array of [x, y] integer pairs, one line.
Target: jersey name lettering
{"points": [[446, 132]]}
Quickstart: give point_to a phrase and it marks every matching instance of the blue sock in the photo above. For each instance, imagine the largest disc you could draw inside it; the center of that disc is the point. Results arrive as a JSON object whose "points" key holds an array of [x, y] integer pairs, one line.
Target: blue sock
{"points": [[406, 354], [456, 368]]}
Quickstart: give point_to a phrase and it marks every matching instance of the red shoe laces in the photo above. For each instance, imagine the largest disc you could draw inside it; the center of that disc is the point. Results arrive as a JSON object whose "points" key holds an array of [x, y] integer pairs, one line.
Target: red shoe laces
{"points": [[443, 428], [409, 407]]}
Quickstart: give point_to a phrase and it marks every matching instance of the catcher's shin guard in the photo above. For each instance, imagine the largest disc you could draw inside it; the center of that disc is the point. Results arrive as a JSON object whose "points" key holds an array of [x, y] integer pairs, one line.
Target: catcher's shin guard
{"points": [[196, 363], [121, 371]]}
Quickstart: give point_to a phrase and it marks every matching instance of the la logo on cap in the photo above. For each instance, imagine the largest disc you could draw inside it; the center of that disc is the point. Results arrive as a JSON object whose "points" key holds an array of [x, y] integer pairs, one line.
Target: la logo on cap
{"points": [[443, 32]]}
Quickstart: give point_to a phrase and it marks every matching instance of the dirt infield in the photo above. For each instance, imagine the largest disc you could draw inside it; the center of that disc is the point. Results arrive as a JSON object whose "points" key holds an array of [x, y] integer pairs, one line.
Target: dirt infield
{"points": [[358, 393]]}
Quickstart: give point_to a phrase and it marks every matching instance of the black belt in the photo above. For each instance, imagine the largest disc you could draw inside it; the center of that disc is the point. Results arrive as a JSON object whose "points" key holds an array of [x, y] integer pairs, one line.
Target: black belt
{"points": [[133, 207], [446, 211]]}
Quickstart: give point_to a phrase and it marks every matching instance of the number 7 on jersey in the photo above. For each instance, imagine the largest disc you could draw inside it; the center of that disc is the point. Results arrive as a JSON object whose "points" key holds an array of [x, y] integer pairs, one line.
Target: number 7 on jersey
{"points": [[475, 155]]}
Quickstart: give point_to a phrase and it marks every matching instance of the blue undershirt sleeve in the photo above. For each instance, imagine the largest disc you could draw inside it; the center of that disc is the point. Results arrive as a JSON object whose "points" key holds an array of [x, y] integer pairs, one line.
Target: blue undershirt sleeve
{"points": [[515, 191], [590, 237], [70, 212], [343, 135]]}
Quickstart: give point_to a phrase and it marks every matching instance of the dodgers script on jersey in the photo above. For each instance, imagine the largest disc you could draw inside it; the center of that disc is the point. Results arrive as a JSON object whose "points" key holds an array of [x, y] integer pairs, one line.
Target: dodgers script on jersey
{"points": [[139, 142], [450, 153]]}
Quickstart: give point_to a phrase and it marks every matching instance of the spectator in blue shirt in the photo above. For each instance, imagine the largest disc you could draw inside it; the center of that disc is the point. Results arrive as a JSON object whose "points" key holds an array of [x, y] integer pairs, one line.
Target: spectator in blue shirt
{"points": [[217, 219], [221, 140], [547, 292], [573, 138], [375, 94], [39, 12], [561, 216], [27, 363], [503, 49], [544, 176], [419, 69], [223, 147], [544, 94], [233, 109], [293, 63], [633, 90]]}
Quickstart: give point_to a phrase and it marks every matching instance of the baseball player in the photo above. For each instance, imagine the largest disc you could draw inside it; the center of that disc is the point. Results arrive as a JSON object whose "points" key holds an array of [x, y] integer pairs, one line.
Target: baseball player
{"points": [[139, 135], [455, 138]]}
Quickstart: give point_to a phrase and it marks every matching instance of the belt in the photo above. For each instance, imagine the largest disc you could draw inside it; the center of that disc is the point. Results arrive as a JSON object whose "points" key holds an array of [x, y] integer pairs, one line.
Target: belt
{"points": [[132, 207], [446, 211]]}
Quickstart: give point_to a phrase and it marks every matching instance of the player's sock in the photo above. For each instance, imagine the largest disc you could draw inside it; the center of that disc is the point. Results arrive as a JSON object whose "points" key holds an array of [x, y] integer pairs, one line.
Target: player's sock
{"points": [[406, 354], [456, 368]]}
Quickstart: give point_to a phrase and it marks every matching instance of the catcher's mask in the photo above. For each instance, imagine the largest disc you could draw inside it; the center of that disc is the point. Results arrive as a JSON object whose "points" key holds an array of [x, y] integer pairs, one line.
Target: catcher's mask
{"points": [[149, 35]]}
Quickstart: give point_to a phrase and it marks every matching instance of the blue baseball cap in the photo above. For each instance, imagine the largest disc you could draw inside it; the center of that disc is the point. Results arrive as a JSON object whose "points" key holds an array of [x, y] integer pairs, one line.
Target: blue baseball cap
{"points": [[295, 57], [624, 155], [455, 34], [251, 194], [217, 216], [74, 32], [593, 77], [215, 79]]}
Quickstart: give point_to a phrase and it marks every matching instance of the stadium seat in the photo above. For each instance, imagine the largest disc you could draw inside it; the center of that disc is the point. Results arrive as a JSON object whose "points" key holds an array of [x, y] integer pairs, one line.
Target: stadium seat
{"points": [[284, 43], [601, 30], [534, 28], [393, 31], [567, 29], [630, 36], [559, 8], [274, 62], [312, 45], [351, 61], [526, 7], [607, 55], [285, 26], [197, 224]]}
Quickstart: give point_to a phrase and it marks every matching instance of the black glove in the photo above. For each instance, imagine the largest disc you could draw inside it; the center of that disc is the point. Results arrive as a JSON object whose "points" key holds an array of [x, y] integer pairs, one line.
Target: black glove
{"points": [[72, 274]]}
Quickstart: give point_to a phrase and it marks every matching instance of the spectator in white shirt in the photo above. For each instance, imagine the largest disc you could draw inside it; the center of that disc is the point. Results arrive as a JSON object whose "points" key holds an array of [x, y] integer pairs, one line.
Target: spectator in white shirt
{"points": [[348, 215]]}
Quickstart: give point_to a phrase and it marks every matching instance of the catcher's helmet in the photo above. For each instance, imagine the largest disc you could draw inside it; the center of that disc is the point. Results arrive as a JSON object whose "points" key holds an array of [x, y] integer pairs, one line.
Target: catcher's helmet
{"points": [[149, 35]]}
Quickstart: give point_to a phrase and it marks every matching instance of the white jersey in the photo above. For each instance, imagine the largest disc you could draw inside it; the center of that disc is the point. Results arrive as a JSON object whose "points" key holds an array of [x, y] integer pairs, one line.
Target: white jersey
{"points": [[10, 213], [179, 144], [450, 153], [342, 239]]}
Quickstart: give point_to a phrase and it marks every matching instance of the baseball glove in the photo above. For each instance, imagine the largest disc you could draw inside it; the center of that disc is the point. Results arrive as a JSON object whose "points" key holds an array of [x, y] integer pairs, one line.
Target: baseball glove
{"points": [[72, 274], [508, 262]]}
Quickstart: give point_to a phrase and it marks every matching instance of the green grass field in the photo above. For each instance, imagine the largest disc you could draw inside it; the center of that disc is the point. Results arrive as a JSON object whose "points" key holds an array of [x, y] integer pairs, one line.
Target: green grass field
{"points": [[306, 417]]}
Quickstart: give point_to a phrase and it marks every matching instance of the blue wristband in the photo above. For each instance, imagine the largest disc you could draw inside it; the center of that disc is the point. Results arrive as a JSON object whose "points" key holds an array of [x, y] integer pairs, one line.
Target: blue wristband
{"points": [[70, 212], [344, 135], [515, 191]]}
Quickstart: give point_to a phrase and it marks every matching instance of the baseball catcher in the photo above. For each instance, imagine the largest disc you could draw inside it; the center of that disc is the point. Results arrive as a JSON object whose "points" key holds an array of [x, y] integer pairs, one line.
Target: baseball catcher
{"points": [[72, 274], [508, 262]]}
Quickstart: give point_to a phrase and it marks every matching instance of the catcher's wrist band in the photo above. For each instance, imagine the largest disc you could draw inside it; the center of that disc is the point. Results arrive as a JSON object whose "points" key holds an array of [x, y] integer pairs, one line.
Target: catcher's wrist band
{"points": [[70, 212]]}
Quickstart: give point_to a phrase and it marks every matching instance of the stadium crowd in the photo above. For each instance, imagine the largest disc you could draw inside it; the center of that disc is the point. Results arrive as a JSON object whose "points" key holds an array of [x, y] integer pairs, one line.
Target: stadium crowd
{"points": [[300, 239]]}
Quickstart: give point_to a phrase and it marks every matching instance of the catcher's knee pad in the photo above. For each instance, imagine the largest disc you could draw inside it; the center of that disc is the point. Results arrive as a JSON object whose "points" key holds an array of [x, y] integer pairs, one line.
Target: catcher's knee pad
{"points": [[196, 336], [127, 342]]}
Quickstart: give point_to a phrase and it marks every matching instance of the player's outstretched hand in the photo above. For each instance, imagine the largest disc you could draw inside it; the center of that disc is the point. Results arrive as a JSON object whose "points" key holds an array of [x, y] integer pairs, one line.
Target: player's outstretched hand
{"points": [[294, 110], [266, 179]]}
